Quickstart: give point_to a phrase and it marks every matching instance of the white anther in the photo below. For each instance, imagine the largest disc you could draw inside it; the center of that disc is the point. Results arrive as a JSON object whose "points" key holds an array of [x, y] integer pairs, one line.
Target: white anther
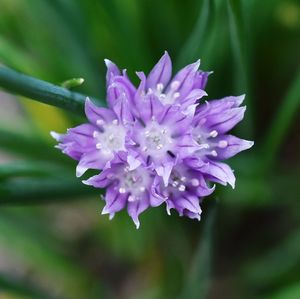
{"points": [[150, 90], [181, 188], [153, 118], [98, 146], [175, 85], [131, 198], [175, 184], [144, 149], [204, 146], [100, 122], [213, 134], [122, 190], [164, 131], [111, 137], [183, 179], [159, 87], [214, 153], [222, 144], [96, 134], [115, 122], [176, 95], [162, 96], [159, 146], [195, 182], [142, 189]]}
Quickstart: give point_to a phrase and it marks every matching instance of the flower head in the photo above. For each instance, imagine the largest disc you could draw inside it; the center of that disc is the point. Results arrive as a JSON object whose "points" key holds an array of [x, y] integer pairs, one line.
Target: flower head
{"points": [[157, 143]]}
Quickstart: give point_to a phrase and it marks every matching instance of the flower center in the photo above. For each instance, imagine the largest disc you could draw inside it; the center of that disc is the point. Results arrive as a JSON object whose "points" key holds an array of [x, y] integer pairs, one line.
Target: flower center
{"points": [[168, 97], [206, 142], [156, 139], [111, 139], [134, 182]]}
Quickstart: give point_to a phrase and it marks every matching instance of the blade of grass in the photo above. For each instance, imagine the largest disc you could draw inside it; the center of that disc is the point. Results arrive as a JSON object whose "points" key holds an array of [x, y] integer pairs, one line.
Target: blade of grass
{"points": [[41, 91], [240, 48], [281, 123], [192, 48], [45, 190], [30, 147], [198, 280]]}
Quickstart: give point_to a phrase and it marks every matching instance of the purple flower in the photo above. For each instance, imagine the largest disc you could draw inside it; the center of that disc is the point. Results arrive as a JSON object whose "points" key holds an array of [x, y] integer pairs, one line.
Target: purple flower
{"points": [[156, 143]]}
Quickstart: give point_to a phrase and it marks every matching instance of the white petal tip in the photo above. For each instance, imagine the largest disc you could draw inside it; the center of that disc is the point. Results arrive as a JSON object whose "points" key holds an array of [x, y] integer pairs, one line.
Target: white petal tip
{"points": [[55, 135]]}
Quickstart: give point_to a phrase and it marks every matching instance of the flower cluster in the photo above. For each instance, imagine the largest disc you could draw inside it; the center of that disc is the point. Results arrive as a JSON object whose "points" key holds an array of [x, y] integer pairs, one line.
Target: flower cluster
{"points": [[155, 144]]}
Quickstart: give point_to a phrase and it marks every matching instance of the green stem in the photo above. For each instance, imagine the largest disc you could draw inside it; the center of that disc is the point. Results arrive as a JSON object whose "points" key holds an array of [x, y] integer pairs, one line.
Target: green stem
{"points": [[41, 91]]}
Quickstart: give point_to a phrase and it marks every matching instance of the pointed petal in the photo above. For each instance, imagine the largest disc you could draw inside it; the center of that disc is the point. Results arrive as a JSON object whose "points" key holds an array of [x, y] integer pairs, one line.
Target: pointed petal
{"points": [[112, 70], [164, 171], [135, 208], [230, 145], [161, 73], [91, 160], [115, 201], [223, 122], [184, 80], [95, 113], [221, 171]]}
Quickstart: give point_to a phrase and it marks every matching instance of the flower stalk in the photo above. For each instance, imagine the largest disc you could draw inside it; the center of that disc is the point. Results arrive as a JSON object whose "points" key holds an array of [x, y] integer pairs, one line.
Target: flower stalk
{"points": [[41, 91]]}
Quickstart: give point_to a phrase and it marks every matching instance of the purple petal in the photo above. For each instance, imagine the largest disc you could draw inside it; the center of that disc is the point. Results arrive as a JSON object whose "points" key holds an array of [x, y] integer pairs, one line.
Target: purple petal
{"points": [[224, 122], [77, 141], [98, 114], [112, 71], [91, 160], [115, 201], [201, 79], [161, 73], [122, 110], [230, 145], [150, 108], [192, 97], [135, 208], [221, 171], [184, 80], [164, 171]]}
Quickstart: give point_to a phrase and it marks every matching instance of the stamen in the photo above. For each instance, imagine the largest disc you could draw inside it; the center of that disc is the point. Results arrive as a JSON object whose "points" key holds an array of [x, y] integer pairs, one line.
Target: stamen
{"points": [[96, 134], [142, 189], [176, 95], [214, 153], [160, 87], [213, 134], [195, 182], [115, 122], [122, 190], [175, 184], [181, 188], [100, 122], [98, 146], [222, 144], [131, 198], [175, 85]]}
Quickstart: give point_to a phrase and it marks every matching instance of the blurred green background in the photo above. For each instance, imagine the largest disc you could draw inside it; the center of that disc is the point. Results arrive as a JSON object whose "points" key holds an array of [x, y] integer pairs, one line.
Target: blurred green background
{"points": [[53, 241]]}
